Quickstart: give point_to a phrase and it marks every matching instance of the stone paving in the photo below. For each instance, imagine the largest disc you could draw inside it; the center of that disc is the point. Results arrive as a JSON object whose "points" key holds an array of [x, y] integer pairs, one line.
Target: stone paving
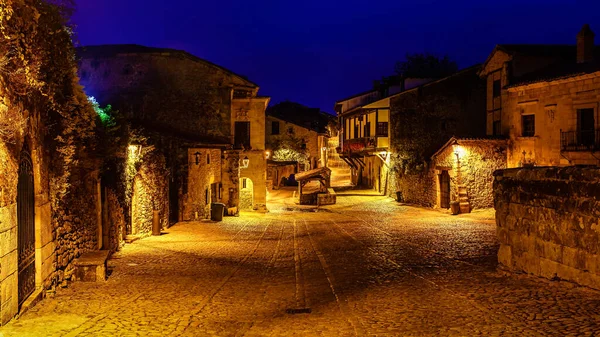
{"points": [[364, 267]]}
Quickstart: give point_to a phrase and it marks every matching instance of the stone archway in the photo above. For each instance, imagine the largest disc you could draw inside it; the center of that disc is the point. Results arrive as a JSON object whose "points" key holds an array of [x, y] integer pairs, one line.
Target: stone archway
{"points": [[246, 194]]}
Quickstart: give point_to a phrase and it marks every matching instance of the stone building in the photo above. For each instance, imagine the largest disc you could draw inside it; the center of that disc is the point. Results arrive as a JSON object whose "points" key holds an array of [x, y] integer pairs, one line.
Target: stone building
{"points": [[195, 123], [423, 119], [544, 99], [462, 171]]}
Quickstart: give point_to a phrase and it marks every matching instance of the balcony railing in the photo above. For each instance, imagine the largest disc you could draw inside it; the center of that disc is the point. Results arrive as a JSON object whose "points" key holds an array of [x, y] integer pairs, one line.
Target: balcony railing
{"points": [[580, 140], [359, 144]]}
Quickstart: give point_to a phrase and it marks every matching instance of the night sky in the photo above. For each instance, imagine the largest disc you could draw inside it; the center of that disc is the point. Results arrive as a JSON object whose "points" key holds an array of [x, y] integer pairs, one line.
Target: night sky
{"points": [[316, 52]]}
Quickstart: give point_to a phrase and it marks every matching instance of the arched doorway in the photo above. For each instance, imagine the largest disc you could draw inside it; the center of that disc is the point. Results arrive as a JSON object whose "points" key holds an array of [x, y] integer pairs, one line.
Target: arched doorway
{"points": [[246, 194], [26, 227]]}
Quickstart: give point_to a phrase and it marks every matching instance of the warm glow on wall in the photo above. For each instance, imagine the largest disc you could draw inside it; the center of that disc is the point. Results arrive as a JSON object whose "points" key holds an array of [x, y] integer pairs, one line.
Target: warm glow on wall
{"points": [[134, 150]]}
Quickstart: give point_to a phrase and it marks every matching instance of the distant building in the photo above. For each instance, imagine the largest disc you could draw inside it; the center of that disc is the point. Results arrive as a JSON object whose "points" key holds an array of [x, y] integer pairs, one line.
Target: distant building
{"points": [[295, 133], [364, 137], [544, 99]]}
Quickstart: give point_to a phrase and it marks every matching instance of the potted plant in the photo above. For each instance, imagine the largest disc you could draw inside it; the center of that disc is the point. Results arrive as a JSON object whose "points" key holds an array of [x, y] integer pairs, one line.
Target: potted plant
{"points": [[455, 207]]}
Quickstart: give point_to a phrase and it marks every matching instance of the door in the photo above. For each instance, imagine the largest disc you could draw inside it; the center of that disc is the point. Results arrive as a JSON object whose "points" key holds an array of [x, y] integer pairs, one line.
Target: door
{"points": [[25, 228], [444, 189]]}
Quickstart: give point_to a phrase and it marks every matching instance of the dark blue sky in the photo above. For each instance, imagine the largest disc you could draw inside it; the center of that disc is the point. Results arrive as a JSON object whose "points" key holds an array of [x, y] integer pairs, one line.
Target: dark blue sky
{"points": [[316, 52]]}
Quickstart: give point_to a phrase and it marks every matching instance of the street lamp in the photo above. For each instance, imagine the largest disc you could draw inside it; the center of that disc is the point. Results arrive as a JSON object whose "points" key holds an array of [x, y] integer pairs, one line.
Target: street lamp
{"points": [[134, 150], [455, 148]]}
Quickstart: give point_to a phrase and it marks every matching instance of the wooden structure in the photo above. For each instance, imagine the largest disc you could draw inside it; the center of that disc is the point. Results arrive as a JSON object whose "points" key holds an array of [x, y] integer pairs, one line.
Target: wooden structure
{"points": [[322, 175]]}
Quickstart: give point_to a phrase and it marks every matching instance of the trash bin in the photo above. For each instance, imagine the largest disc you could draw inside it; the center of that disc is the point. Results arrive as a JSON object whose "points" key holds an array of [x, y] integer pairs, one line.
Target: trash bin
{"points": [[399, 196], [217, 210]]}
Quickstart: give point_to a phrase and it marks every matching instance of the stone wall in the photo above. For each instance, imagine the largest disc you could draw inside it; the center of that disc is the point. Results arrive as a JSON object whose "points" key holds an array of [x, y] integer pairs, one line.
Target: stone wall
{"points": [[166, 88], [548, 222], [201, 178], [150, 193]]}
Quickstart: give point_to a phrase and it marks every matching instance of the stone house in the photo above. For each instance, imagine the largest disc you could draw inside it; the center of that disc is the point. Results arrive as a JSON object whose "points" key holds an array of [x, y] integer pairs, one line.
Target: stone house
{"points": [[544, 99], [423, 119], [200, 128], [462, 170]]}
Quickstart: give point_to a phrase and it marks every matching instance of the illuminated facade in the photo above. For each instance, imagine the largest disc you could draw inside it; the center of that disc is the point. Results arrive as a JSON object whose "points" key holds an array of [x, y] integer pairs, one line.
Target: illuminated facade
{"points": [[544, 99]]}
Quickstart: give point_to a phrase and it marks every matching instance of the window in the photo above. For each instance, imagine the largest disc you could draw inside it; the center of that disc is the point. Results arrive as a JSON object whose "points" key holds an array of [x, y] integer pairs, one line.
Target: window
{"points": [[382, 129], [497, 128], [243, 183], [303, 146], [274, 128], [291, 130], [242, 135], [586, 126], [528, 125], [208, 158], [356, 128], [496, 88], [367, 132]]}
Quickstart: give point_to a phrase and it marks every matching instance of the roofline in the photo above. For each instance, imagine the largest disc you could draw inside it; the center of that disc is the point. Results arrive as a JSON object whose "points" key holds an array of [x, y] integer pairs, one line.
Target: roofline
{"points": [[567, 78], [161, 51], [436, 81], [458, 140], [296, 124], [355, 95]]}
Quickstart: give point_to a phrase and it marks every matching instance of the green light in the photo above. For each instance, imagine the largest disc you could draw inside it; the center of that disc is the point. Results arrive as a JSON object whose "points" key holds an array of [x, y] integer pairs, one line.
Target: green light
{"points": [[105, 113]]}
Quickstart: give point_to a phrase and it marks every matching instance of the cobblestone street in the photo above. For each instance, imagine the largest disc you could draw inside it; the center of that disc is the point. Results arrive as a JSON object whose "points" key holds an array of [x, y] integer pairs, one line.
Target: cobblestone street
{"points": [[366, 266]]}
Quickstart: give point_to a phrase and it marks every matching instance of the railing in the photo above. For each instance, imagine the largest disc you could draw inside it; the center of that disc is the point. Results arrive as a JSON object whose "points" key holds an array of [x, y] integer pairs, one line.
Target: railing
{"points": [[580, 140], [359, 144]]}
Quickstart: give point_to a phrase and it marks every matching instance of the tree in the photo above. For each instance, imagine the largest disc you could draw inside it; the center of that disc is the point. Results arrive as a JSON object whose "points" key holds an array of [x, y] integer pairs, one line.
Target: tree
{"points": [[425, 66]]}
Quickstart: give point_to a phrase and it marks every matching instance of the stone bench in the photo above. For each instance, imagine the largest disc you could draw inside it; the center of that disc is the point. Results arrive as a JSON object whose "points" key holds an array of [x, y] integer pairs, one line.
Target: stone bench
{"points": [[91, 266]]}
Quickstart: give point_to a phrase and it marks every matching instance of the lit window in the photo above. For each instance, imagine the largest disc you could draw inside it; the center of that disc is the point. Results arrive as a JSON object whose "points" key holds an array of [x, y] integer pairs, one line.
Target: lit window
{"points": [[528, 125], [382, 129]]}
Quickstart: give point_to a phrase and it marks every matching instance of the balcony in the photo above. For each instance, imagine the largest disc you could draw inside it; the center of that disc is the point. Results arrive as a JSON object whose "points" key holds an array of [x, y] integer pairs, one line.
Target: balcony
{"points": [[580, 140], [359, 144]]}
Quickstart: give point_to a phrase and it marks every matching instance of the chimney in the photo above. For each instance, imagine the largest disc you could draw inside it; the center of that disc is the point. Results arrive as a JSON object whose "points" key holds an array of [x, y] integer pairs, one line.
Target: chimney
{"points": [[585, 45]]}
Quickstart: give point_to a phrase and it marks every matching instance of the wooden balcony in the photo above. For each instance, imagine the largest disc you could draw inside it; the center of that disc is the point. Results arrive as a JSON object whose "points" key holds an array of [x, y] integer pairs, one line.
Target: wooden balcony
{"points": [[357, 145]]}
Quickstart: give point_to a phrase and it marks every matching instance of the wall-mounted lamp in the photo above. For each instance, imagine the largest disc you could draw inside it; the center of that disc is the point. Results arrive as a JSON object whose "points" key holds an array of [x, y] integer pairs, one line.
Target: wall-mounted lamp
{"points": [[245, 162], [455, 147], [384, 155], [135, 150], [197, 155], [324, 148], [267, 154]]}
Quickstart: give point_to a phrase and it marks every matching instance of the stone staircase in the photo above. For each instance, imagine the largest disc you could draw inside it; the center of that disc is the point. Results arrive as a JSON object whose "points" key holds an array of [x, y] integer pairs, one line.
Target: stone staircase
{"points": [[341, 175], [463, 199]]}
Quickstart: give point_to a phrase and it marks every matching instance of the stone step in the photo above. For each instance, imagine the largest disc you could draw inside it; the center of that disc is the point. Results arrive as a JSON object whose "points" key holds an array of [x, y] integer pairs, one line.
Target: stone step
{"points": [[91, 266]]}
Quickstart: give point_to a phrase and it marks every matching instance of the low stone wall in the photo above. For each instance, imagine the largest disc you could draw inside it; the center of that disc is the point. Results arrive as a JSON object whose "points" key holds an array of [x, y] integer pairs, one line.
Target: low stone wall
{"points": [[548, 222]]}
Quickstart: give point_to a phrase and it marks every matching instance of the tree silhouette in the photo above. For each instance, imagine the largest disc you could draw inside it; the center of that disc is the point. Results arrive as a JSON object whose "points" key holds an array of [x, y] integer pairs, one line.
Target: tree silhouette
{"points": [[425, 66]]}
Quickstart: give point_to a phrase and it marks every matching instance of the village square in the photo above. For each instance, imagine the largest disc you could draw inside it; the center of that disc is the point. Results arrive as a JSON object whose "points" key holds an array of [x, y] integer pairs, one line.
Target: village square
{"points": [[148, 191]]}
